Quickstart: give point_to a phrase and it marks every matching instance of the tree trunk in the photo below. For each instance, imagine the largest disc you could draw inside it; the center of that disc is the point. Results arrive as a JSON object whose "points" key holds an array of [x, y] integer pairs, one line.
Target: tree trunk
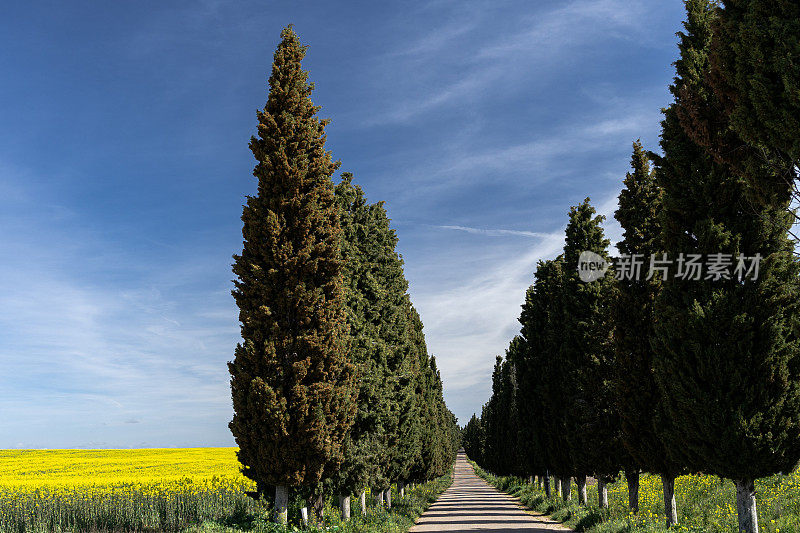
{"points": [[389, 498], [318, 505], [557, 482], [344, 506], [566, 488], [401, 489], [530, 480], [304, 517], [746, 506], [670, 510], [379, 498], [547, 485], [633, 490], [581, 482], [362, 501], [281, 502], [602, 494]]}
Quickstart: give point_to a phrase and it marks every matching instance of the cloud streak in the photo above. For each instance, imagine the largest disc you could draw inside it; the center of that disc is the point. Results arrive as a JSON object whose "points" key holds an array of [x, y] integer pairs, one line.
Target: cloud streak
{"points": [[498, 232]]}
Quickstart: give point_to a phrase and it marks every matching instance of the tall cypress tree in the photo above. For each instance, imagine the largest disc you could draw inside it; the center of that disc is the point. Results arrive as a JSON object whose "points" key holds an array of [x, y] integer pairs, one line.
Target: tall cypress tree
{"points": [[586, 348], [401, 363], [728, 360], [291, 382], [635, 391]]}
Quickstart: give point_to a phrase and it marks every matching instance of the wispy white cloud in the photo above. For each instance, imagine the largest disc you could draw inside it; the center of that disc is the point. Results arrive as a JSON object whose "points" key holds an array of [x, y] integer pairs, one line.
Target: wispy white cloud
{"points": [[497, 61], [468, 324], [498, 232]]}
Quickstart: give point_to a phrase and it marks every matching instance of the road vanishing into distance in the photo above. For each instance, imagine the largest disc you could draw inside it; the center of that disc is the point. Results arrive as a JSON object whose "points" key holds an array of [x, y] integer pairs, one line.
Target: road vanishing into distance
{"points": [[471, 504]]}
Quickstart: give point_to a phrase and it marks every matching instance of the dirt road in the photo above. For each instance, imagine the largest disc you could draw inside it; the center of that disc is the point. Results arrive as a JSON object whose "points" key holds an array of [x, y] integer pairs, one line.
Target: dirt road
{"points": [[471, 504]]}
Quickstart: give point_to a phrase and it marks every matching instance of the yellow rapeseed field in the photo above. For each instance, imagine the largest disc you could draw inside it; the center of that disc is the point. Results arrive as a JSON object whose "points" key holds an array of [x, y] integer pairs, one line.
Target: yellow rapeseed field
{"points": [[126, 490], [73, 468]]}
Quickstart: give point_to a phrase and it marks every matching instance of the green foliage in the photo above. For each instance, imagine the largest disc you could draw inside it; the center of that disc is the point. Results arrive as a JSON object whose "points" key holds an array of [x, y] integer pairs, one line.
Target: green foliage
{"points": [[756, 75], [474, 438], [501, 451], [635, 393], [402, 428], [291, 383], [727, 351], [543, 374], [585, 347], [439, 433], [365, 245]]}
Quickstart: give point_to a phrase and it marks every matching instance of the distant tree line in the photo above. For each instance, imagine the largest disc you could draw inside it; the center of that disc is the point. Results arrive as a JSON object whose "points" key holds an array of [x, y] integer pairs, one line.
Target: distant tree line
{"points": [[333, 387], [670, 375]]}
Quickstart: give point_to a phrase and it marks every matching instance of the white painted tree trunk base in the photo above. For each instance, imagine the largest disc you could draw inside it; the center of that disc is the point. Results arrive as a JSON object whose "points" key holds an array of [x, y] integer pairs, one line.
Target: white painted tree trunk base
{"points": [[746, 506], [566, 489], [344, 507], [602, 494], [304, 516], [281, 504], [581, 482], [362, 502], [670, 507]]}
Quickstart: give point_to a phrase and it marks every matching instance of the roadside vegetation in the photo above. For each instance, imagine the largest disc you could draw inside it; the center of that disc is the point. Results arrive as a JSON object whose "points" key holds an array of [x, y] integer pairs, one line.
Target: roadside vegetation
{"points": [[704, 504]]}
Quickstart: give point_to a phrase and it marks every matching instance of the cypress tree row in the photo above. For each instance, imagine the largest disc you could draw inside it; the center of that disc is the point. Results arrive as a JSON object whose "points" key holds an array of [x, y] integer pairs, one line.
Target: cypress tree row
{"points": [[728, 351], [542, 375], [684, 370], [439, 434], [502, 445], [364, 250], [291, 382], [495, 420], [333, 388], [396, 380], [528, 452], [474, 439]]}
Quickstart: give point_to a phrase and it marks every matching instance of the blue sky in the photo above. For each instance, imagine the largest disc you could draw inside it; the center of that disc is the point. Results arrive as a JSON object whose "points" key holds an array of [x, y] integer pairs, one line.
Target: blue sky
{"points": [[124, 165]]}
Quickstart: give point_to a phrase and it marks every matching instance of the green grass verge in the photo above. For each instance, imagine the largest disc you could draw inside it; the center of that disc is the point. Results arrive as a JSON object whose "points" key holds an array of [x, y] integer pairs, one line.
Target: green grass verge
{"points": [[398, 519], [705, 504]]}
